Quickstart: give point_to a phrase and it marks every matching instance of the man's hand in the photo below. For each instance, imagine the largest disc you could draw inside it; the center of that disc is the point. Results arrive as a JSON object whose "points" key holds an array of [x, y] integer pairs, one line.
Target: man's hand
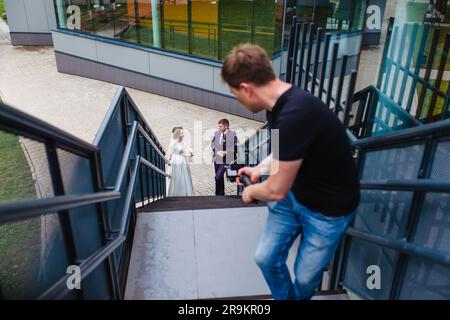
{"points": [[246, 196], [252, 173]]}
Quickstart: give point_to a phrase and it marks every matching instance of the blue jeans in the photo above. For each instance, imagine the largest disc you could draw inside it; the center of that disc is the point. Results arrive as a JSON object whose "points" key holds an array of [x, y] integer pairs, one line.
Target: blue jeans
{"points": [[319, 240]]}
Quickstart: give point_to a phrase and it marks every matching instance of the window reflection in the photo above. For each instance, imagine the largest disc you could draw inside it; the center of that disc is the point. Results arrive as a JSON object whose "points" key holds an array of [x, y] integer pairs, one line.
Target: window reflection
{"points": [[331, 15], [203, 28]]}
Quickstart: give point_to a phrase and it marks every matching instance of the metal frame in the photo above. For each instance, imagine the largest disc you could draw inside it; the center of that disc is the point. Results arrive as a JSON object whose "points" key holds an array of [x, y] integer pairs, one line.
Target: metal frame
{"points": [[429, 135], [14, 121], [309, 45]]}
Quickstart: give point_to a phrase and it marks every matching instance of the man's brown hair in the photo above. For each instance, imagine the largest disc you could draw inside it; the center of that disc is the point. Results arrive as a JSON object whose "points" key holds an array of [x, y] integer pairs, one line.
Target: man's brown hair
{"points": [[247, 63], [225, 122]]}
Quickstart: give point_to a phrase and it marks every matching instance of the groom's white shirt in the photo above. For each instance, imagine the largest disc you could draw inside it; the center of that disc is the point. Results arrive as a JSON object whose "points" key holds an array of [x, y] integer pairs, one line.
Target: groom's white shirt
{"points": [[221, 136]]}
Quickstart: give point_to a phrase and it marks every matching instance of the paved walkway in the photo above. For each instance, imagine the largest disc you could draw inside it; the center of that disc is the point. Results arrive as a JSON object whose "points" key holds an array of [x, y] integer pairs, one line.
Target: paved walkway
{"points": [[30, 82]]}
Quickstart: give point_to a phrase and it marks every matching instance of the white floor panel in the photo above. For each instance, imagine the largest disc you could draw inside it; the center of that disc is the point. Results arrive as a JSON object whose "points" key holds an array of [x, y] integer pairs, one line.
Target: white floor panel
{"points": [[197, 254]]}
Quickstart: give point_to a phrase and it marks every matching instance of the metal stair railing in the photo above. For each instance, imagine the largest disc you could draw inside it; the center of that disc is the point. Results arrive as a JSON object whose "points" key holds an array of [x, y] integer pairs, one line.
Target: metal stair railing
{"points": [[430, 135], [142, 151]]}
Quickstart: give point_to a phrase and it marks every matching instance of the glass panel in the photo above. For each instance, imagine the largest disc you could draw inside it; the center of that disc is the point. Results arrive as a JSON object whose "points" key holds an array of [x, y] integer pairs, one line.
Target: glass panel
{"points": [[441, 164], [24, 171], [362, 255], [176, 29], [16, 180], [32, 257], [76, 173], [398, 163], [236, 19], [340, 15], [205, 18], [265, 12], [383, 213], [424, 279], [278, 26], [103, 18], [204, 28]]}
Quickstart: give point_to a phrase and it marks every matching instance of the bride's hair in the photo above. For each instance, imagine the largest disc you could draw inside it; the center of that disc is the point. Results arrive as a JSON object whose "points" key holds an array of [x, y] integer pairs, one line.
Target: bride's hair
{"points": [[176, 132]]}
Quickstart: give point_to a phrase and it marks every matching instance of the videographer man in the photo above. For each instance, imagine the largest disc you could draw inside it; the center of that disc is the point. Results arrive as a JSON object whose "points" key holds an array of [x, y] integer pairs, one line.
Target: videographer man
{"points": [[313, 187]]}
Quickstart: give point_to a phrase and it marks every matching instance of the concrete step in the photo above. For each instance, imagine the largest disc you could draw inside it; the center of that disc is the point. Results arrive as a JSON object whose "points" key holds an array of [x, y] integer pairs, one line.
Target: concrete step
{"points": [[197, 254]]}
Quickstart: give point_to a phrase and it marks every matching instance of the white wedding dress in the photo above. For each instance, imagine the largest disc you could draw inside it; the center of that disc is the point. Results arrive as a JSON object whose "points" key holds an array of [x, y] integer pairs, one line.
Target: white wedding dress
{"points": [[180, 184]]}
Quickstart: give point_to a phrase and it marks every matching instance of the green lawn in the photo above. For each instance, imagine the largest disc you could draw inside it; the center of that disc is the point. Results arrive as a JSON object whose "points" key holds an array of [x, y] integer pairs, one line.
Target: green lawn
{"points": [[2, 8], [19, 241]]}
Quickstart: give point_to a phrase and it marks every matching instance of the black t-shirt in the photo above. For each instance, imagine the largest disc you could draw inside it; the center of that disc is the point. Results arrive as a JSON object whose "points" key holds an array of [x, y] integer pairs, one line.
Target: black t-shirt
{"points": [[328, 181]]}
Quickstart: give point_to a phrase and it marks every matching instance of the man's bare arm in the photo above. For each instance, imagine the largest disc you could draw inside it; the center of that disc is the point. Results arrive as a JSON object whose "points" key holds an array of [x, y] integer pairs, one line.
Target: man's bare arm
{"points": [[277, 186]]}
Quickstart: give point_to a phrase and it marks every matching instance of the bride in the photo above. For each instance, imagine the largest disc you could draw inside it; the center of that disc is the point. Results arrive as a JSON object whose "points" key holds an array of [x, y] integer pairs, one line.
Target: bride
{"points": [[180, 184]]}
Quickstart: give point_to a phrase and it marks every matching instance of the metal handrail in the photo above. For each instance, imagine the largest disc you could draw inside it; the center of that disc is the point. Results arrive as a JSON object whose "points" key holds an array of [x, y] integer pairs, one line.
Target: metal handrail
{"points": [[23, 124], [410, 134], [402, 245], [427, 185], [26, 209], [59, 289], [126, 157], [18, 122]]}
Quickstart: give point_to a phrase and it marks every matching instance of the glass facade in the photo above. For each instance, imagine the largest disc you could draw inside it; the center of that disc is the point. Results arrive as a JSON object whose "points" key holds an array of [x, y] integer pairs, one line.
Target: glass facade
{"points": [[201, 28], [331, 15]]}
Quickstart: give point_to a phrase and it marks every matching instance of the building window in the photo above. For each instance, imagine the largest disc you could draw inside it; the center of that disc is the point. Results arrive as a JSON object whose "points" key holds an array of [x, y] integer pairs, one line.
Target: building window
{"points": [[202, 28]]}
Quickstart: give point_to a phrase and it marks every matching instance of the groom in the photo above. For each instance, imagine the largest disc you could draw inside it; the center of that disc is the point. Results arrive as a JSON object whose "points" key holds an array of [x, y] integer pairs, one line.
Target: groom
{"points": [[224, 147]]}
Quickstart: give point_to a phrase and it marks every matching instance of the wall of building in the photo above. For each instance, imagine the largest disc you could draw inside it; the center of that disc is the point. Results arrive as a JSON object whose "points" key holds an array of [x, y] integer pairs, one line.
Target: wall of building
{"points": [[30, 21], [169, 74]]}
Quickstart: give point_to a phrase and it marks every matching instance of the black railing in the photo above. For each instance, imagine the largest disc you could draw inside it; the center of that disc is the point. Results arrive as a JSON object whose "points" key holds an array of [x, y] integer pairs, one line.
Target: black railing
{"points": [[425, 180], [412, 53], [126, 170], [405, 94], [314, 61], [368, 120]]}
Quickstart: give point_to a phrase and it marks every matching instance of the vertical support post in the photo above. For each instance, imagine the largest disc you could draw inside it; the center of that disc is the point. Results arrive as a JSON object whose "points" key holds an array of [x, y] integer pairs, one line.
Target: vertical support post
{"points": [[305, 28], [385, 52], [190, 36], [64, 219], [61, 13], [312, 30], [323, 72], [297, 32], [332, 73], [337, 101], [137, 20], [429, 68], [139, 140], [291, 50], [420, 58], [155, 24], [316, 60], [105, 227], [349, 100], [437, 85], [219, 27], [161, 19], [408, 62]]}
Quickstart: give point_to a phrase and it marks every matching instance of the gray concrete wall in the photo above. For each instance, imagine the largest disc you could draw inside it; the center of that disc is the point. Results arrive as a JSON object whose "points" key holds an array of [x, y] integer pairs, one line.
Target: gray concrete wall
{"points": [[30, 21], [176, 76]]}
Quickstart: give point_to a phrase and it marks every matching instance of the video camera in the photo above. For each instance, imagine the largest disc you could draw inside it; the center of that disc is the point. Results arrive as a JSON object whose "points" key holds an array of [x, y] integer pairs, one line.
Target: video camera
{"points": [[232, 171]]}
